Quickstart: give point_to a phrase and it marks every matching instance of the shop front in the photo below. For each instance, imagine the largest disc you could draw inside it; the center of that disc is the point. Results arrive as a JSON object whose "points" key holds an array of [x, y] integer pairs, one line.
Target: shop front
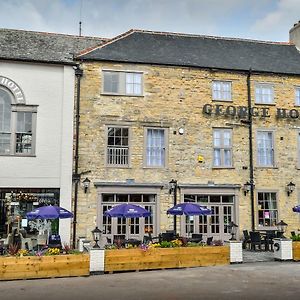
{"points": [[16, 202], [223, 202]]}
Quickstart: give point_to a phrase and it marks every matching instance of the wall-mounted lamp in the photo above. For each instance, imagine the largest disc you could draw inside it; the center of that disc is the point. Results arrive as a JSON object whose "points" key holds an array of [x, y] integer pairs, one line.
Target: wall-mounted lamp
{"points": [[246, 187], [290, 187], [172, 186], [86, 184]]}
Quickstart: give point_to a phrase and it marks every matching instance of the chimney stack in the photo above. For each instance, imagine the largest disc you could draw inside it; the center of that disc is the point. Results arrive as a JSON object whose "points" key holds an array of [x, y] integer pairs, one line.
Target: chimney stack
{"points": [[295, 35]]}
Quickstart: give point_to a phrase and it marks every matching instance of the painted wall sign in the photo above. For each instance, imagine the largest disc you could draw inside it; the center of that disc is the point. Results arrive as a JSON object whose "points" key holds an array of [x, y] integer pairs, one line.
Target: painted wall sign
{"points": [[243, 111], [14, 88]]}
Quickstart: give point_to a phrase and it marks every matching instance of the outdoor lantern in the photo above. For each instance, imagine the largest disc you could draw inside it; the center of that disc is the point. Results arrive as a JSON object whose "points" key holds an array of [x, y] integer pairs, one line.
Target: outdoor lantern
{"points": [[173, 186], [86, 184], [246, 187], [281, 226], [232, 228], [96, 236], [290, 187]]}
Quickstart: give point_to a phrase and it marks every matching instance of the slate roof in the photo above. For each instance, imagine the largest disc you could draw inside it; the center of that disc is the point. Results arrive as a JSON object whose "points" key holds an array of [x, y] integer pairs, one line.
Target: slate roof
{"points": [[24, 45], [138, 46]]}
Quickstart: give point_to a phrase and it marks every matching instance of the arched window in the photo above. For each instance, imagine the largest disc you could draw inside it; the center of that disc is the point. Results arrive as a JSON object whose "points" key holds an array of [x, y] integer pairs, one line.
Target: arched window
{"points": [[17, 125], [5, 121]]}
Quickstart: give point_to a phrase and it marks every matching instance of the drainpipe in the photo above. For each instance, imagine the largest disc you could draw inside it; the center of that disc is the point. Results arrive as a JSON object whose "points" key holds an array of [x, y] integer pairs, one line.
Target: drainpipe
{"points": [[76, 176], [251, 169]]}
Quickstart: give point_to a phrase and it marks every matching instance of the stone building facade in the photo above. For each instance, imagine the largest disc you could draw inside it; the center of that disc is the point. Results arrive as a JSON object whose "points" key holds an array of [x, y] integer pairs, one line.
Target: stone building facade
{"points": [[162, 106]]}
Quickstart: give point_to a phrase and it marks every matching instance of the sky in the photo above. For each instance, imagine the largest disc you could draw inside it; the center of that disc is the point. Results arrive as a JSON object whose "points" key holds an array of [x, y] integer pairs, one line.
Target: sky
{"points": [[255, 19]]}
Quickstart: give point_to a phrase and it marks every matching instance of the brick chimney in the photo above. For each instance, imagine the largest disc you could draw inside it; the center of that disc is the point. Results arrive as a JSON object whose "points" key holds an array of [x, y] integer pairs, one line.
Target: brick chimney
{"points": [[295, 35]]}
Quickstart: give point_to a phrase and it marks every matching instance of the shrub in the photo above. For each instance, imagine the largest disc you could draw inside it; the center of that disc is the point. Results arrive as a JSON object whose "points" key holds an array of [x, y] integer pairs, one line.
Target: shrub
{"points": [[13, 249], [165, 244], [296, 238], [53, 251]]}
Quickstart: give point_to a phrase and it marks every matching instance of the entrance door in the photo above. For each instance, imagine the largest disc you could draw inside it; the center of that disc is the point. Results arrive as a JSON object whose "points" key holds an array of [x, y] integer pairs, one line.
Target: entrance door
{"points": [[214, 225]]}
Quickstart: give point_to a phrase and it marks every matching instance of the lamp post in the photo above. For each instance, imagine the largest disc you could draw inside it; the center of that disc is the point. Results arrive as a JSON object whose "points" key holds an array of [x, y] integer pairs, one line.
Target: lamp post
{"points": [[281, 226], [232, 228], [96, 237], [173, 189]]}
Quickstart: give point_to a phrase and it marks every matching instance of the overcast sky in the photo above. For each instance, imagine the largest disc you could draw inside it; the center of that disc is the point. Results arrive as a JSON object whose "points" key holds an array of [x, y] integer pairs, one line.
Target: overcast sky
{"points": [[256, 19]]}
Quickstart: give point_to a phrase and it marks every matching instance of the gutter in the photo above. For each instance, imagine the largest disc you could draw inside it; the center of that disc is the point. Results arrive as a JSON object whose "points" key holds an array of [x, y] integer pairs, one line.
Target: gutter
{"points": [[76, 176], [251, 169]]}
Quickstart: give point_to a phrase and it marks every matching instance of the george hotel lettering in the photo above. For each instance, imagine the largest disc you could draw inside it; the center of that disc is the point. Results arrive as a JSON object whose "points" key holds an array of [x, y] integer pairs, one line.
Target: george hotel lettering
{"points": [[243, 111], [14, 88]]}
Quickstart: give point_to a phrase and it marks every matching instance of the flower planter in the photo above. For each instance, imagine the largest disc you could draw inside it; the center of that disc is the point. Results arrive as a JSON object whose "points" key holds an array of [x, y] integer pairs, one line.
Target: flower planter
{"points": [[296, 251], [164, 258], [43, 267]]}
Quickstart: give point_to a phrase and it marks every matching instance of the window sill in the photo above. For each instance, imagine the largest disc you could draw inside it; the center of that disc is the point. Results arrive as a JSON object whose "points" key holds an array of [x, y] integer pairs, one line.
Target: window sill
{"points": [[117, 167], [17, 155], [226, 101], [154, 167], [120, 95], [266, 167], [268, 104], [218, 168]]}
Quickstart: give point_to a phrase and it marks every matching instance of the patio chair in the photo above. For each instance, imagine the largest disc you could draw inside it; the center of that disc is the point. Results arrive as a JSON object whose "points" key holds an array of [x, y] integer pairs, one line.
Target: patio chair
{"points": [[269, 240], [255, 240], [119, 239], [196, 238], [246, 239], [167, 236], [54, 241], [209, 240]]}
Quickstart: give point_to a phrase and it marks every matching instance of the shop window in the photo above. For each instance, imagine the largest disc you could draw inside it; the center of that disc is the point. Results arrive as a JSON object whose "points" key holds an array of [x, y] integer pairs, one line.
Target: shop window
{"points": [[222, 148], [221, 90], [267, 209], [265, 148], [264, 93], [122, 83], [118, 146]]}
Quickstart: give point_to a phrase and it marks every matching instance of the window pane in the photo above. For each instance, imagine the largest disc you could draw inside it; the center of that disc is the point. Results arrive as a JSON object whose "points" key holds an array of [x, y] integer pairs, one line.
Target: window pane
{"points": [[4, 143], [264, 94], [111, 82], [5, 111], [24, 132], [267, 209], [297, 96], [221, 90], [222, 148], [134, 83], [155, 151], [117, 146], [265, 153]]}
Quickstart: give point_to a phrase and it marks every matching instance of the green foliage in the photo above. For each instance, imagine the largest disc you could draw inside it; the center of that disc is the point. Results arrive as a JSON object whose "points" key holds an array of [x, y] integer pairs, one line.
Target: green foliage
{"points": [[296, 238], [165, 244]]}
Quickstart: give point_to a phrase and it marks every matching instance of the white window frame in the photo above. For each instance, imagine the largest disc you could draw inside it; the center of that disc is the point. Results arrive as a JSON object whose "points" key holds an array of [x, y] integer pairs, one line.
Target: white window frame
{"points": [[222, 148], [15, 109], [222, 91], [259, 95], [165, 130], [117, 165], [272, 150], [263, 226], [297, 96], [123, 78]]}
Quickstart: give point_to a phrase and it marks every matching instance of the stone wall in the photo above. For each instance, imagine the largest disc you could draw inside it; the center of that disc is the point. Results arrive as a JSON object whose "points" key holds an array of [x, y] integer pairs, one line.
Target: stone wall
{"points": [[174, 98]]}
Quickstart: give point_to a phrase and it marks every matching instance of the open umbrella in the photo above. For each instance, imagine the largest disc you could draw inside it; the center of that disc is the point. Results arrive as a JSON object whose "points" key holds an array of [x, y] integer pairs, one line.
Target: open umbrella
{"points": [[127, 211], [189, 209], [296, 209], [49, 212]]}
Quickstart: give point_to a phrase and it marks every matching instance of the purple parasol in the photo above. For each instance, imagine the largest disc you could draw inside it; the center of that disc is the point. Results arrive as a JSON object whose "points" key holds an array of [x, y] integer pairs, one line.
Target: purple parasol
{"points": [[296, 209], [127, 211], [189, 209], [49, 212]]}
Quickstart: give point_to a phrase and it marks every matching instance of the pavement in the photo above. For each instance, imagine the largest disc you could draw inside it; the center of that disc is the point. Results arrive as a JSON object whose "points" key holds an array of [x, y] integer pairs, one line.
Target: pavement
{"points": [[264, 280]]}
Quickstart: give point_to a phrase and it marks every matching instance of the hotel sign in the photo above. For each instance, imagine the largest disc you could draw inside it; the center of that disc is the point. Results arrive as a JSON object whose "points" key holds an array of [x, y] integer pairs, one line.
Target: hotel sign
{"points": [[14, 88], [243, 111]]}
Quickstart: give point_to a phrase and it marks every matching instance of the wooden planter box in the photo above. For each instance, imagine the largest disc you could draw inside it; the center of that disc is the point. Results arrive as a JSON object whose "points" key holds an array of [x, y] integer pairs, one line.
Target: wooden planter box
{"points": [[164, 258], [44, 266], [296, 250]]}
